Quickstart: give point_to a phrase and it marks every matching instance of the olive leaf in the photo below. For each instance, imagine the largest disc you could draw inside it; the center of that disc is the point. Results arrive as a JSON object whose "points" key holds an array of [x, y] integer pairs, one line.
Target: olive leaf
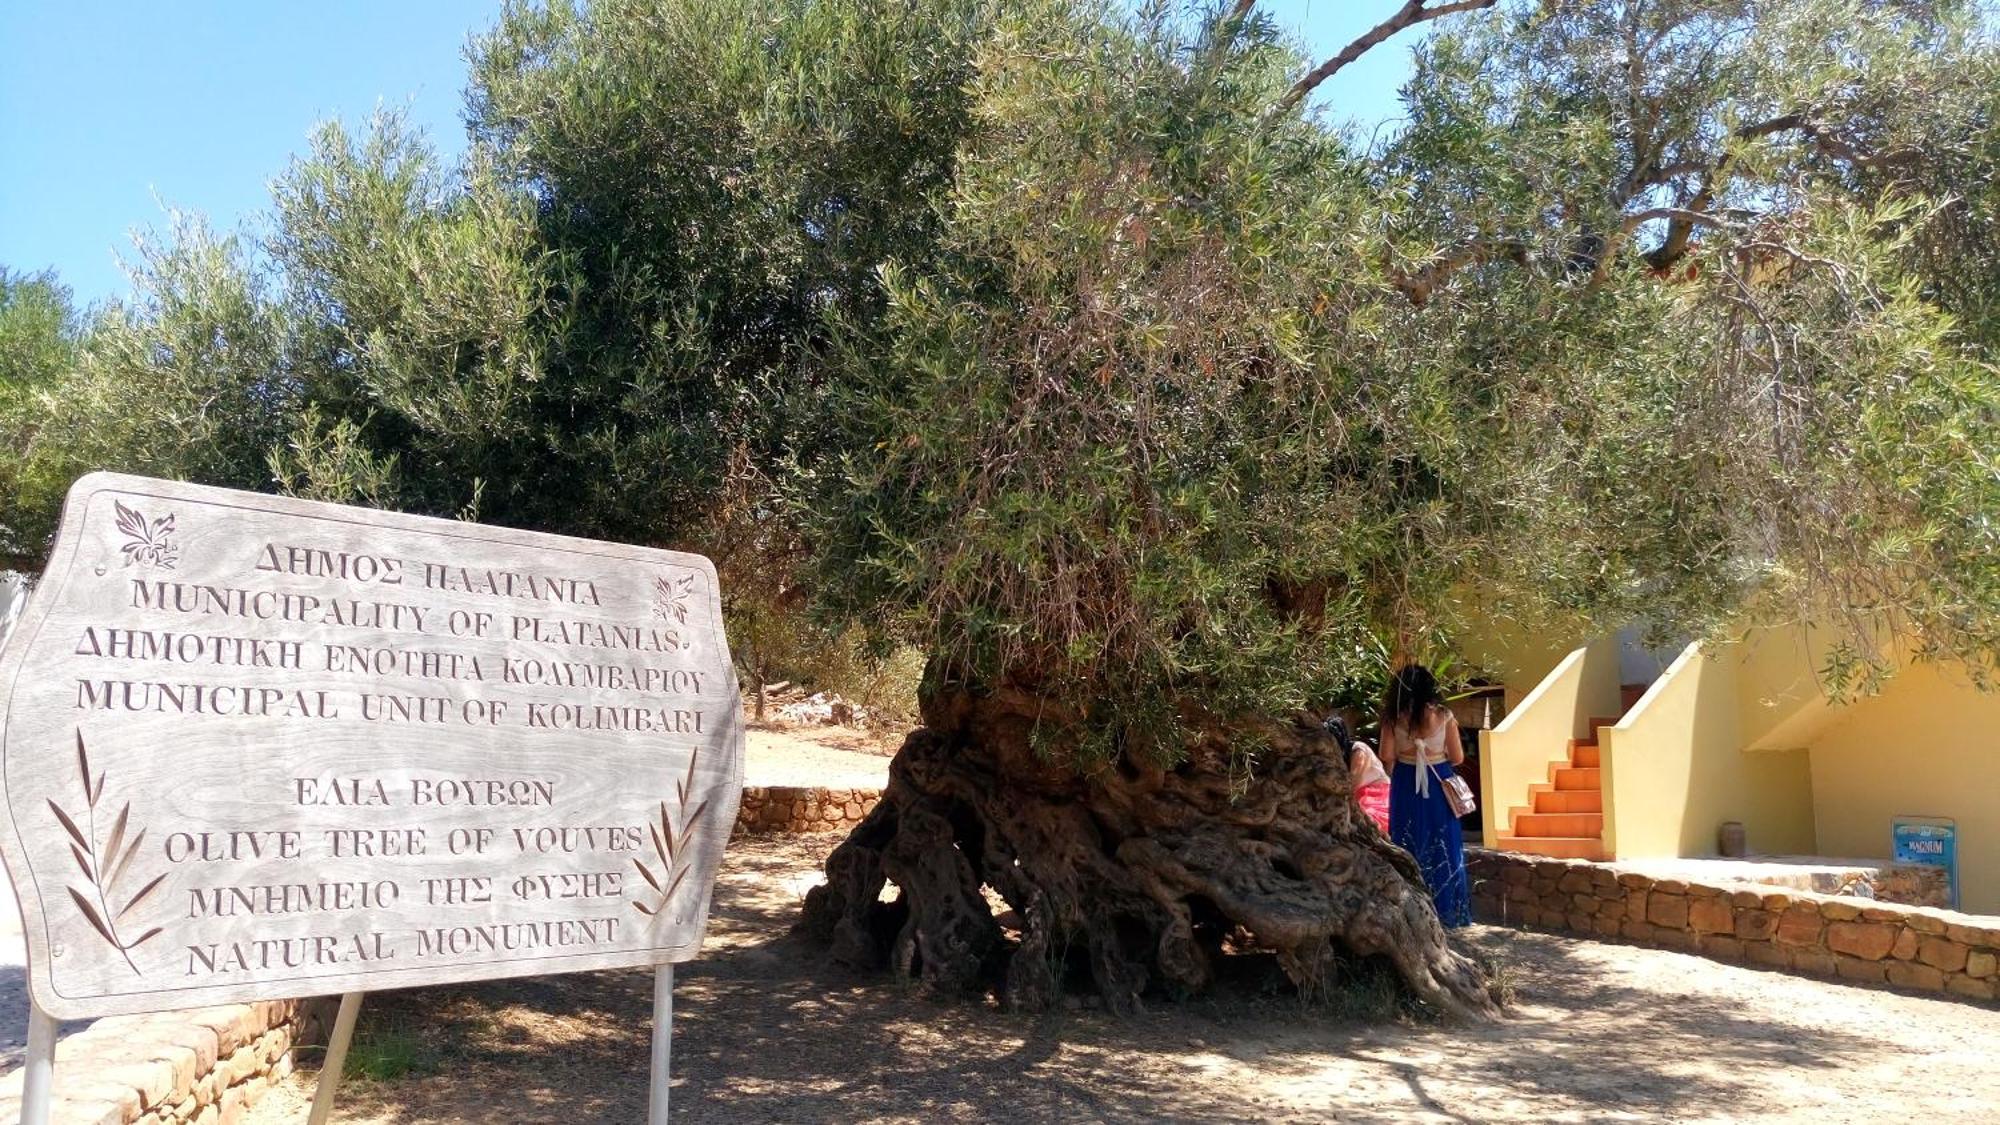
{"points": [[670, 843], [141, 896], [647, 875], [70, 827], [124, 861], [90, 915], [118, 831], [101, 870]]}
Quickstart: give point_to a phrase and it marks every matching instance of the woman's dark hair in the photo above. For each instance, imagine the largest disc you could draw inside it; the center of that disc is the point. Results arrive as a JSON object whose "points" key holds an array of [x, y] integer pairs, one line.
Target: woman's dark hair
{"points": [[1336, 729], [1412, 692]]}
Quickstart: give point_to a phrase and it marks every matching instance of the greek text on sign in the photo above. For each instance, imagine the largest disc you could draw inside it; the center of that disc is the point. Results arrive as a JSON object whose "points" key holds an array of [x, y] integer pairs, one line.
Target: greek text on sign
{"points": [[255, 747]]}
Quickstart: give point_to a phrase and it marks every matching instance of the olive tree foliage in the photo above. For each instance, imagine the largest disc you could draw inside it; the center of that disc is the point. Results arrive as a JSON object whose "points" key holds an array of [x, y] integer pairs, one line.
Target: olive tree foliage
{"points": [[579, 325], [421, 304], [604, 321], [1804, 424], [365, 342], [38, 341], [1636, 315], [725, 179], [1074, 346], [175, 381]]}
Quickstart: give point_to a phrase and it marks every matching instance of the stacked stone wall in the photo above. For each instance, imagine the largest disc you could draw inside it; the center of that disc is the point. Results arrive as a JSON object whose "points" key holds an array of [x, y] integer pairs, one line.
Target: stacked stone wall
{"points": [[783, 808], [206, 1066], [1848, 939]]}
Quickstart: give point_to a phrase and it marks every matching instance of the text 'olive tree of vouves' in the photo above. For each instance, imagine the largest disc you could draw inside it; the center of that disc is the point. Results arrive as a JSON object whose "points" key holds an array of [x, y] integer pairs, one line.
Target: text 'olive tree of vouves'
{"points": [[1074, 347]]}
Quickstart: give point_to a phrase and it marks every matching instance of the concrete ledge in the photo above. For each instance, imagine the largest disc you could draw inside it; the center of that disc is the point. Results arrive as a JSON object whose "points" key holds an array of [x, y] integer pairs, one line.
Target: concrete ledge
{"points": [[785, 808], [1850, 939], [1880, 879], [205, 1066]]}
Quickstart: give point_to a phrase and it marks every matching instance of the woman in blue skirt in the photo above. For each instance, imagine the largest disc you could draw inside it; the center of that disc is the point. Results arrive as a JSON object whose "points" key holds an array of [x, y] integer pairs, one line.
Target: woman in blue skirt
{"points": [[1420, 735]]}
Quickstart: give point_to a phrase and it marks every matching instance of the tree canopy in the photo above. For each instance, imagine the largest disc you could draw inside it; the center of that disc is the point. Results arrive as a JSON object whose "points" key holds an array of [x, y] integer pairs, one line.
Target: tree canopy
{"points": [[1077, 347], [1639, 315]]}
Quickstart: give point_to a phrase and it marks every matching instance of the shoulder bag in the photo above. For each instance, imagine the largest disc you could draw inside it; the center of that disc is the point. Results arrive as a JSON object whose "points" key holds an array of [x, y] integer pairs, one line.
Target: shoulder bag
{"points": [[1457, 793]]}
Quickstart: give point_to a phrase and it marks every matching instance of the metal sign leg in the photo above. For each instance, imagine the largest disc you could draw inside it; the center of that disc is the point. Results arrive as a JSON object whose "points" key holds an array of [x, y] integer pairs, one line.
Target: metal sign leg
{"points": [[336, 1058], [39, 1070], [663, 1043]]}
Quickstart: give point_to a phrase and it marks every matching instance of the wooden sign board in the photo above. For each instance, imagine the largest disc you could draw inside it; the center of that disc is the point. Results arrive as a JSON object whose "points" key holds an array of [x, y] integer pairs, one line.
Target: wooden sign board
{"points": [[256, 747]]}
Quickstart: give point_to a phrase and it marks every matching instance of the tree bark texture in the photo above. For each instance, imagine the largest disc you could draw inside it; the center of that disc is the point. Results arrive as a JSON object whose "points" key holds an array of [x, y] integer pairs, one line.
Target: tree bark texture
{"points": [[1133, 878]]}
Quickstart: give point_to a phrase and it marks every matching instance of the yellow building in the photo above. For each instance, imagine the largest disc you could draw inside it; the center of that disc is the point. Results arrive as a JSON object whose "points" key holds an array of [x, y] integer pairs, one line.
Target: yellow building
{"points": [[1742, 733]]}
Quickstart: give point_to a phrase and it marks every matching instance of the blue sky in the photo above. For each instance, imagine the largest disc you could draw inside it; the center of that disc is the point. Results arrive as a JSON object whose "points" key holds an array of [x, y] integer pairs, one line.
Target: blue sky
{"points": [[112, 111]]}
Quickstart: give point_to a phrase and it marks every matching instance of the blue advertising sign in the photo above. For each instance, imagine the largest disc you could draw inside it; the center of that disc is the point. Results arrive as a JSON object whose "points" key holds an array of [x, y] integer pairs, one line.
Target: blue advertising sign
{"points": [[1930, 841]]}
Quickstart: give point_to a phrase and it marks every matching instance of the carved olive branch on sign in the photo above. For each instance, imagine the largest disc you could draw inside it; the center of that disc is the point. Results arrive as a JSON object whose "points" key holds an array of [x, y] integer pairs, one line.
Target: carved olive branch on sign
{"points": [[103, 869], [671, 596], [670, 845], [147, 541]]}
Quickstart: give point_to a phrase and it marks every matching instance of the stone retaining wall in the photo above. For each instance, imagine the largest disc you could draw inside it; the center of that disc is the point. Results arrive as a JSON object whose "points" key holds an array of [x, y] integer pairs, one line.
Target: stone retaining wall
{"points": [[205, 1066], [785, 808], [1908, 884], [1823, 935]]}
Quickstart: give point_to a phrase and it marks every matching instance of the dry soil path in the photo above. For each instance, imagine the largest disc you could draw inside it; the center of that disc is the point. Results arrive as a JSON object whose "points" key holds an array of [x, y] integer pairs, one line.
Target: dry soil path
{"points": [[806, 757], [770, 1031]]}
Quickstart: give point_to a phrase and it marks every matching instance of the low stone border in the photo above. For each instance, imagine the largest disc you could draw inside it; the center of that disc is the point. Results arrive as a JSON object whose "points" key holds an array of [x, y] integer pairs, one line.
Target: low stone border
{"points": [[1908, 884], [205, 1066], [1800, 931], [788, 808]]}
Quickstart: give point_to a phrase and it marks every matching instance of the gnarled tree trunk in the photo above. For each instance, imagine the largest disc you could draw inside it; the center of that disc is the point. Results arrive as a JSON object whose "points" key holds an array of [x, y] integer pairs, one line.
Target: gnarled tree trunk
{"points": [[1141, 874]]}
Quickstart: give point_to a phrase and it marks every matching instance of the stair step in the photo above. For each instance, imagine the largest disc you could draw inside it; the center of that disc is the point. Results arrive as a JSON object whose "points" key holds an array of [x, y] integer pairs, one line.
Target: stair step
{"points": [[1585, 755], [1559, 847], [1596, 722], [1568, 801], [1572, 779], [1559, 824]]}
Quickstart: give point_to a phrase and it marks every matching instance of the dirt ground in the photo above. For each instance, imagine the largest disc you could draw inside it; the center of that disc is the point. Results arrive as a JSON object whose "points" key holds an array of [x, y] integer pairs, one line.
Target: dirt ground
{"points": [[767, 1030], [833, 757]]}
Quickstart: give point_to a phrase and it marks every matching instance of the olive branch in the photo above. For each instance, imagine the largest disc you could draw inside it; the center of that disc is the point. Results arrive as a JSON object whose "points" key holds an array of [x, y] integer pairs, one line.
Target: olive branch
{"points": [[669, 845], [102, 870]]}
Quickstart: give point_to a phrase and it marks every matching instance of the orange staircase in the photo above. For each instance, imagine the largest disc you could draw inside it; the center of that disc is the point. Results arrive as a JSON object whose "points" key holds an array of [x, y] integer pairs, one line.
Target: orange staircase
{"points": [[1565, 817]]}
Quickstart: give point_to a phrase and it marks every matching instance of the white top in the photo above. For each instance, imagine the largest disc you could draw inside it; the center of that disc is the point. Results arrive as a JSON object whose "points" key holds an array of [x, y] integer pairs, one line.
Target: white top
{"points": [[1432, 746], [1371, 766], [1425, 751]]}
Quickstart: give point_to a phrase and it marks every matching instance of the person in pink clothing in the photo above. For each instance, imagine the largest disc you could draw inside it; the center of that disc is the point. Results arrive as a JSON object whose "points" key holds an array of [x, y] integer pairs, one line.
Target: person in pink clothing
{"points": [[1364, 768]]}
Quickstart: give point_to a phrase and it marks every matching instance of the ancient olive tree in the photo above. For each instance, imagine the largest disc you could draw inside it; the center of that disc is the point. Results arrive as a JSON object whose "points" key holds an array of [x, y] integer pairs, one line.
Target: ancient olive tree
{"points": [[1628, 318], [1075, 348]]}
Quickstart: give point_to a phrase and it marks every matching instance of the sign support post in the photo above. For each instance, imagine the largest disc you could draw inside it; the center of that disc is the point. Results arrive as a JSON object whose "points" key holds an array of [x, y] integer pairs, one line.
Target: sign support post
{"points": [[336, 1058], [663, 1044], [39, 1067]]}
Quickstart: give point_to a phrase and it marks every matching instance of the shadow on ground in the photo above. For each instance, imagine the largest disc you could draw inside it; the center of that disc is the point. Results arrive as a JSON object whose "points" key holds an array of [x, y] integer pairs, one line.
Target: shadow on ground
{"points": [[768, 1030], [14, 1019]]}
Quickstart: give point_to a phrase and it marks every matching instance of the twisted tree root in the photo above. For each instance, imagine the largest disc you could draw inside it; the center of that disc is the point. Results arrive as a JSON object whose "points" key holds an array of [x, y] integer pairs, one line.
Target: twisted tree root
{"points": [[1138, 874]]}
